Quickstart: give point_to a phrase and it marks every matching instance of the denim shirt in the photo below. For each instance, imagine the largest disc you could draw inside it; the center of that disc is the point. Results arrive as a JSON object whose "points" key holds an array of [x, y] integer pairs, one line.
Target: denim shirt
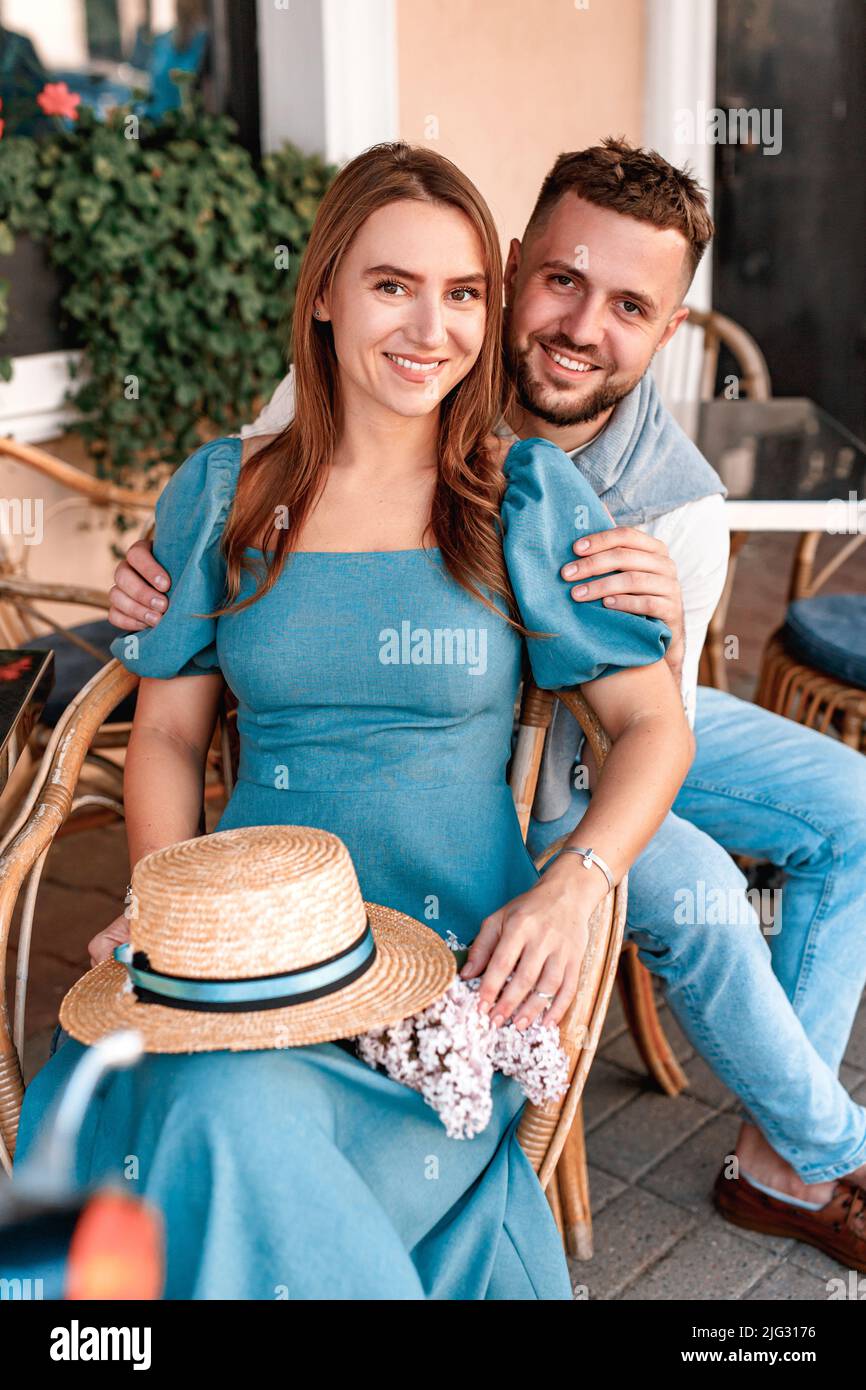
{"points": [[643, 464]]}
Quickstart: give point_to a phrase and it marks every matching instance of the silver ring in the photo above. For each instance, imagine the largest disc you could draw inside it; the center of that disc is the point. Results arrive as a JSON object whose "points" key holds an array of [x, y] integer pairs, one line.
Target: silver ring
{"points": [[542, 995]]}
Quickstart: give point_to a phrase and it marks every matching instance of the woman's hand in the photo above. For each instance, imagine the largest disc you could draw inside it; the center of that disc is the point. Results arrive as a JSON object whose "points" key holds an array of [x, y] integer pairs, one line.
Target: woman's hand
{"points": [[104, 942], [540, 940]]}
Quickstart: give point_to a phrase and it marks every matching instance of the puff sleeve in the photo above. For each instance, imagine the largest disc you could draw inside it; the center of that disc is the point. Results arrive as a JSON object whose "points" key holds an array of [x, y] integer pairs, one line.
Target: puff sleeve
{"points": [[547, 506], [190, 515]]}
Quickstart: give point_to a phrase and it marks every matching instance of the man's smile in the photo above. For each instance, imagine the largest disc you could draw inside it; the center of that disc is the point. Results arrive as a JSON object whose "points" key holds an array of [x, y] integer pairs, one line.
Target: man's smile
{"points": [[566, 364]]}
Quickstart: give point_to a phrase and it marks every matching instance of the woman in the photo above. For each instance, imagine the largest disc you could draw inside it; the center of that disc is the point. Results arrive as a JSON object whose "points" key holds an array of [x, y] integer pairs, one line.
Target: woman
{"points": [[358, 583]]}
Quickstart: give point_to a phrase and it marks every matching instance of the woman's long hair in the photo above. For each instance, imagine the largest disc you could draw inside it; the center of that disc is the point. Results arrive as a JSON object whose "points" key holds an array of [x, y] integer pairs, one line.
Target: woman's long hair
{"points": [[286, 476]]}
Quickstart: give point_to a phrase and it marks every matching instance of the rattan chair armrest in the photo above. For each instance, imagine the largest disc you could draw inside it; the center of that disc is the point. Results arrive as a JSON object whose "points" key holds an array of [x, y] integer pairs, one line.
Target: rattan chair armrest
{"points": [[98, 490], [18, 586], [30, 836], [542, 1130]]}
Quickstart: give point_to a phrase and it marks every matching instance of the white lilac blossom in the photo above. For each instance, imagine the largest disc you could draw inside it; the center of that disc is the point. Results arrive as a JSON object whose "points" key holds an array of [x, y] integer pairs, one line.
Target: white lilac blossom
{"points": [[450, 1050], [534, 1058]]}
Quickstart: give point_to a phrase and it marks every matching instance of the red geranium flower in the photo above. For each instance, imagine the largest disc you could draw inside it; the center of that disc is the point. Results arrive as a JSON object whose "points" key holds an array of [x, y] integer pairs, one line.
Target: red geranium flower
{"points": [[57, 100]]}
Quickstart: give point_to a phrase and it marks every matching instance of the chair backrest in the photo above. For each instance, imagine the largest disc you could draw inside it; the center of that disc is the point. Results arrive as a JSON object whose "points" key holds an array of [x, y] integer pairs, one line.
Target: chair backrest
{"points": [[685, 370], [719, 331], [804, 583]]}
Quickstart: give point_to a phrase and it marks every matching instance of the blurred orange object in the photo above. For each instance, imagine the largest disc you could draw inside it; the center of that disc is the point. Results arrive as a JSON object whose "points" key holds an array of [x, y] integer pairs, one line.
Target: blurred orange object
{"points": [[117, 1250]]}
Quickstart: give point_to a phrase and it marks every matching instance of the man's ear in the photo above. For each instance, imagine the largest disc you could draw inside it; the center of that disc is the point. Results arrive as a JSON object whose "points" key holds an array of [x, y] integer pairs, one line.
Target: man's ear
{"points": [[673, 324], [512, 265]]}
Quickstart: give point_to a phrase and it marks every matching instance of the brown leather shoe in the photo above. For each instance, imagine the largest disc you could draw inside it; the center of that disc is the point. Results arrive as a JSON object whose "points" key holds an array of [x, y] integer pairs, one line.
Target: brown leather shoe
{"points": [[839, 1228]]}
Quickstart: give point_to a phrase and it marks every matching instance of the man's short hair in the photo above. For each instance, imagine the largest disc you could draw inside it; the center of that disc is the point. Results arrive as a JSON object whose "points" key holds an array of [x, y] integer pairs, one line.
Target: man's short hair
{"points": [[634, 181]]}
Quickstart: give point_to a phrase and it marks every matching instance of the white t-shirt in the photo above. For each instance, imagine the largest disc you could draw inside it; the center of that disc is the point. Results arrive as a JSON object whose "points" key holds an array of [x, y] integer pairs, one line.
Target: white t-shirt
{"points": [[698, 540]]}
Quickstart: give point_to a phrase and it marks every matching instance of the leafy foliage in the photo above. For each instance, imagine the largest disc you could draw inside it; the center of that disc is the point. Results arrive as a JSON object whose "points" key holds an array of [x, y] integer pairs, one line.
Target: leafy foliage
{"points": [[179, 258]]}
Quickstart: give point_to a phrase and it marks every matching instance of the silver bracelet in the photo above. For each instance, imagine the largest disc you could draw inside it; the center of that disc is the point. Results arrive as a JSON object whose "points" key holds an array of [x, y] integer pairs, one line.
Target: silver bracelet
{"points": [[590, 857]]}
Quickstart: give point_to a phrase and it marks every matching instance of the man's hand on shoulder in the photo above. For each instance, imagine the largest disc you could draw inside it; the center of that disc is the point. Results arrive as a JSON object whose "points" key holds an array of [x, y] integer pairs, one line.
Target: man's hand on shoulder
{"points": [[641, 578], [138, 598]]}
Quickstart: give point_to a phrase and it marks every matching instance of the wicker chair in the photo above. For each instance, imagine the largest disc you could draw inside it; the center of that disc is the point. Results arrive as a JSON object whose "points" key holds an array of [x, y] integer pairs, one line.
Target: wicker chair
{"points": [[24, 623], [787, 685], [719, 331], [551, 1135]]}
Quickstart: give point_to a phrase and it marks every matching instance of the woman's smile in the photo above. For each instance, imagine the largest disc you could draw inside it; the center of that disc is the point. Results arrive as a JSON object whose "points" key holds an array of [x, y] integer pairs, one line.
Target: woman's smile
{"points": [[415, 369]]}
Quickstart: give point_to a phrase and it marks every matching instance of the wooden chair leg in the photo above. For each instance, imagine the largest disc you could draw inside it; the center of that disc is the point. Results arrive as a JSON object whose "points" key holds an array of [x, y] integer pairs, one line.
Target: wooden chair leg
{"points": [[573, 1177], [638, 999], [552, 1194]]}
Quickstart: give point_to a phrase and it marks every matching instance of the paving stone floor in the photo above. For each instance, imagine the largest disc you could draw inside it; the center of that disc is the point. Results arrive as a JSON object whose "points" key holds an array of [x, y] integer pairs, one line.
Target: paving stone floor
{"points": [[652, 1163]]}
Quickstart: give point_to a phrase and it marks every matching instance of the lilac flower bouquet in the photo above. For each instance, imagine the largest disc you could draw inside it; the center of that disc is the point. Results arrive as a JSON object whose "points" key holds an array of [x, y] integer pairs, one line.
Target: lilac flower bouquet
{"points": [[450, 1051]]}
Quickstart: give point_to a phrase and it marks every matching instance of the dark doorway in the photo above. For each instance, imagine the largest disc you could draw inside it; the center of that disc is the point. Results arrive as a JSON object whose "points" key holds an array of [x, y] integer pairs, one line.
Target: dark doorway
{"points": [[789, 253]]}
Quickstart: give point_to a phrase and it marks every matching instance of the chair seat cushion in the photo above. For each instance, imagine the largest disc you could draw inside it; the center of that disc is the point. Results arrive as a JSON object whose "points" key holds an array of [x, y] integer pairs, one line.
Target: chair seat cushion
{"points": [[829, 633], [73, 668]]}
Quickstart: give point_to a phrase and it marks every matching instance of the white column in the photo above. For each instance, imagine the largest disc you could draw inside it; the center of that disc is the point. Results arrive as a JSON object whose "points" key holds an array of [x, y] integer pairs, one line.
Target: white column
{"points": [[328, 74], [681, 77], [360, 44], [291, 74]]}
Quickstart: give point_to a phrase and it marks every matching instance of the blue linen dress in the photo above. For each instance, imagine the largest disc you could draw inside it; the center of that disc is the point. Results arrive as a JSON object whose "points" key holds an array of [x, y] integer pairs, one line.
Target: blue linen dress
{"points": [[375, 699]]}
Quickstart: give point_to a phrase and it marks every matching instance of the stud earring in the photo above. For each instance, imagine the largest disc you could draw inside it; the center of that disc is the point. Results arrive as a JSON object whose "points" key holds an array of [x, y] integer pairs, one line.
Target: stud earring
{"points": [[316, 314]]}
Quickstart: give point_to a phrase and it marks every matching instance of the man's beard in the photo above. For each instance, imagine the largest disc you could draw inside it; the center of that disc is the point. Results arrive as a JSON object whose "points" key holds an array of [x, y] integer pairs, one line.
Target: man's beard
{"points": [[530, 391]]}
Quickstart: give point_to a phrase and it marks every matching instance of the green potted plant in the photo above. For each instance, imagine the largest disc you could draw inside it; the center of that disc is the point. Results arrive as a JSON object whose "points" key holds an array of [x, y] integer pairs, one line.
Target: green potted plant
{"points": [[177, 256]]}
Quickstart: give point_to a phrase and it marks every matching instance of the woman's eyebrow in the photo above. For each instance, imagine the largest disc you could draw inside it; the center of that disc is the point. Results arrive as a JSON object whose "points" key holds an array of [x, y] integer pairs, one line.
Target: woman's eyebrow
{"points": [[474, 277]]}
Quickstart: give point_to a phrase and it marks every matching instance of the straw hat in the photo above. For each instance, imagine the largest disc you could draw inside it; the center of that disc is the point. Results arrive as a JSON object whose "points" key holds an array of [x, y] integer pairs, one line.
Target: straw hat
{"points": [[257, 938]]}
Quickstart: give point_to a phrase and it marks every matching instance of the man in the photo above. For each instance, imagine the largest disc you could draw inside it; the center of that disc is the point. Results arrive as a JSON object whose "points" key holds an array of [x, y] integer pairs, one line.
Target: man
{"points": [[595, 289]]}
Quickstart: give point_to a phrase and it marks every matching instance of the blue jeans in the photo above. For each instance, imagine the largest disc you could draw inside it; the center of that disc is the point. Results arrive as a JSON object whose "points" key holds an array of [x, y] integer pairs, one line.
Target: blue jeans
{"points": [[765, 987]]}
